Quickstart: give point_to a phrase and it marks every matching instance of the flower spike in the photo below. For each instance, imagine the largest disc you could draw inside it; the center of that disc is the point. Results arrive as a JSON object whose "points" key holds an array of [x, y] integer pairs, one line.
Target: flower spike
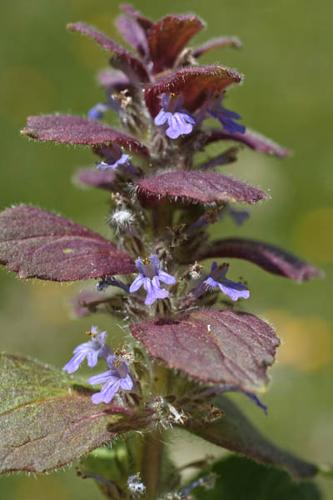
{"points": [[164, 193]]}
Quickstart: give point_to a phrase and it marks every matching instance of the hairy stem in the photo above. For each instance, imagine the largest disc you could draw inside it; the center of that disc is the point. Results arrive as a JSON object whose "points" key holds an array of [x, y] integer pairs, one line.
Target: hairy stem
{"points": [[151, 463], [161, 218]]}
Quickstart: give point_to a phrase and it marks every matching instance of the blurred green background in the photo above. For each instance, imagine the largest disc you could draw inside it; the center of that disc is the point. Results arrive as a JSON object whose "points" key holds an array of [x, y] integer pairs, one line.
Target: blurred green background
{"points": [[287, 94]]}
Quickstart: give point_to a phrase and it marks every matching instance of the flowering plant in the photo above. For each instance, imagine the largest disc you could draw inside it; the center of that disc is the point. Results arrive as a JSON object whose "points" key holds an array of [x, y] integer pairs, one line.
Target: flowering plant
{"points": [[188, 338]]}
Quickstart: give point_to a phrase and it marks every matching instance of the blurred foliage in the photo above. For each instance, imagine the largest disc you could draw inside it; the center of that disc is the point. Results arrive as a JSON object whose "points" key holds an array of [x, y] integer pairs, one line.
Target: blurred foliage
{"points": [[257, 483], [288, 63]]}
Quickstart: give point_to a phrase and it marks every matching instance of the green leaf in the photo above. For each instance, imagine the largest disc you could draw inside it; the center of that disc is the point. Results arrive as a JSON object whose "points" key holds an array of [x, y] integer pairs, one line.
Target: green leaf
{"points": [[109, 468], [236, 433], [47, 421], [115, 463], [242, 479]]}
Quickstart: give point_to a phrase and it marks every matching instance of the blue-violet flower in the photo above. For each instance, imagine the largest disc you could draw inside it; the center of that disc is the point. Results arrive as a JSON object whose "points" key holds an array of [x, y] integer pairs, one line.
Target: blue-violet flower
{"points": [[92, 351], [116, 378], [226, 117], [98, 111], [114, 159], [179, 121], [217, 279], [150, 275], [238, 216]]}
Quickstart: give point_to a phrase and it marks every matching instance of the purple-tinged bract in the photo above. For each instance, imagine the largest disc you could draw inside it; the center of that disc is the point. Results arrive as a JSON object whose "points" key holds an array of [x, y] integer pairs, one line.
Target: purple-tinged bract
{"points": [[250, 138], [191, 186], [194, 84], [269, 257], [90, 177], [40, 244], [216, 43], [219, 347], [168, 37], [121, 58], [75, 130]]}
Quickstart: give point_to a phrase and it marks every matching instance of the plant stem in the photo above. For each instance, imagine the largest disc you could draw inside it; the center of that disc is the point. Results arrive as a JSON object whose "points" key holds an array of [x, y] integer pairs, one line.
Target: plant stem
{"points": [[151, 463], [161, 218]]}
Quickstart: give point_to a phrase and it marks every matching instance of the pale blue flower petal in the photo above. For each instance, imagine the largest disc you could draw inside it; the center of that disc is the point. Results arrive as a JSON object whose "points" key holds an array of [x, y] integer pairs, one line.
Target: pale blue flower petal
{"points": [[74, 364], [137, 283], [127, 383], [100, 379], [116, 378], [92, 358], [107, 393], [161, 118], [166, 278], [234, 290]]}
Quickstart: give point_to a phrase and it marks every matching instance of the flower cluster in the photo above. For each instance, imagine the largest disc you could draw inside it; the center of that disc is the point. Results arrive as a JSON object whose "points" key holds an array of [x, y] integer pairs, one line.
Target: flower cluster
{"points": [[113, 380], [179, 121], [150, 277]]}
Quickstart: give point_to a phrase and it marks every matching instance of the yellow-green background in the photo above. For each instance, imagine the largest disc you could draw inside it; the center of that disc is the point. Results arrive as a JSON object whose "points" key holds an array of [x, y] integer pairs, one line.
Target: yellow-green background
{"points": [[287, 94]]}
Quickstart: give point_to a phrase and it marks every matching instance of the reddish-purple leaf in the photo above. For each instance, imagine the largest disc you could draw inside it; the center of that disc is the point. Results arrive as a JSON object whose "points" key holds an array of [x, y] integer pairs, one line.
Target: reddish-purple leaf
{"points": [[194, 186], [271, 258], [216, 43], [132, 33], [113, 79], [71, 129], [40, 244], [193, 84], [129, 10], [102, 179], [90, 301], [228, 156], [218, 347], [250, 138], [121, 58], [168, 37], [86, 302]]}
